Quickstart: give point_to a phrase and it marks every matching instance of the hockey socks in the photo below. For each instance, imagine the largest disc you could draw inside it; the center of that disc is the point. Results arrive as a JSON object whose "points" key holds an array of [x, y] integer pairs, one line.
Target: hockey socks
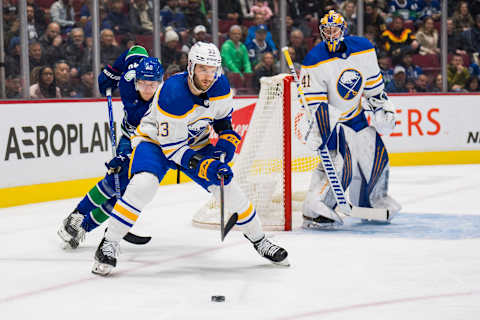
{"points": [[93, 199]]}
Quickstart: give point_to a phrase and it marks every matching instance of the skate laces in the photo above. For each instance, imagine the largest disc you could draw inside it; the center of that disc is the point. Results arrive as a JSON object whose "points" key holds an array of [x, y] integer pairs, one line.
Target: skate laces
{"points": [[266, 248], [75, 222], [110, 248]]}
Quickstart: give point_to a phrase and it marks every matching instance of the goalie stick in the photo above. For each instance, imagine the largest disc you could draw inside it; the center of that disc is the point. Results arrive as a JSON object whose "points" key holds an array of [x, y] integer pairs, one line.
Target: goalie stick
{"points": [[129, 237], [377, 214], [225, 228]]}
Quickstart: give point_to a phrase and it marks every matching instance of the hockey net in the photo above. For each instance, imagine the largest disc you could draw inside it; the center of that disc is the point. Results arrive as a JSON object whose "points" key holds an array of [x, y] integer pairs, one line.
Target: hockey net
{"points": [[273, 167]]}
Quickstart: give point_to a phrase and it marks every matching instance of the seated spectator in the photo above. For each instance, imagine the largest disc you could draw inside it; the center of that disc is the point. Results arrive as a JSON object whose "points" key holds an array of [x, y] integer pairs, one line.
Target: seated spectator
{"points": [[410, 86], [171, 70], [296, 42], [12, 59], [454, 39], [44, 84], [234, 53], [427, 37], [194, 16], [373, 18], [430, 8], [140, 17], [172, 16], [61, 70], [457, 74], [421, 85], [13, 87], [170, 48], [265, 68], [62, 13], [407, 9], [76, 48], [398, 40], [260, 24], [34, 29], [470, 39], [85, 88], [128, 41], [399, 81], [261, 7], [349, 14], [109, 50], [117, 19], [385, 68], [472, 85], [36, 57], [182, 61], [230, 10], [199, 34], [297, 66], [462, 19], [437, 85], [51, 42], [258, 47], [412, 70], [39, 15]]}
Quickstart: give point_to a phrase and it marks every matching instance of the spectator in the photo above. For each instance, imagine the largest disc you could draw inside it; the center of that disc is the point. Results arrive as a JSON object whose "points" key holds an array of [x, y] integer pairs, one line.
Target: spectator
{"points": [[13, 87], [51, 42], [410, 86], [258, 46], [199, 34], [260, 24], [117, 19], [76, 48], [472, 84], [398, 40], [462, 19], [385, 68], [471, 38], [36, 57], [127, 42], [86, 86], [430, 8], [140, 16], [373, 18], [61, 71], [437, 85], [182, 61], [296, 42], [109, 50], [172, 16], [457, 74], [407, 9], [171, 70], [261, 7], [194, 16], [297, 66], [421, 85], [12, 59], [34, 29], [265, 68], [44, 84], [229, 10], [412, 71], [399, 81], [349, 14], [427, 37], [234, 53], [454, 39], [170, 50], [39, 15], [11, 25], [62, 13]]}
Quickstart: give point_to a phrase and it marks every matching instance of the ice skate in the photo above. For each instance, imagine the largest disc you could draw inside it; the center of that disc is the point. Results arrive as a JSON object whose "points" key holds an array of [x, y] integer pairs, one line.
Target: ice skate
{"points": [[272, 252], [106, 257], [320, 223], [71, 230]]}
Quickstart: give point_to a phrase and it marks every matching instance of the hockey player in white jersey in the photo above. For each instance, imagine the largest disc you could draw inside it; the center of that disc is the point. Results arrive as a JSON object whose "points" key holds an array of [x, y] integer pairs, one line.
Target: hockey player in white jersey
{"points": [[335, 74], [175, 132]]}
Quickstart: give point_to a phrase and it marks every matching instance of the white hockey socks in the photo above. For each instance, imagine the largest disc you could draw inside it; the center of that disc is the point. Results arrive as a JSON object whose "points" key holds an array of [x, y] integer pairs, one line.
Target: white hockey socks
{"points": [[139, 193]]}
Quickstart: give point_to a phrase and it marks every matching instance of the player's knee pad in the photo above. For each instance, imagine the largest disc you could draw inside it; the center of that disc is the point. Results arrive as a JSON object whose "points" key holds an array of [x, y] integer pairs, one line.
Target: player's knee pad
{"points": [[141, 189]]}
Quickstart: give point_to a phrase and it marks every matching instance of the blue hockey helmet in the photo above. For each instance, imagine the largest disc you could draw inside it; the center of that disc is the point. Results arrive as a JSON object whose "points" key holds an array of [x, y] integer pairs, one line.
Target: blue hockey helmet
{"points": [[149, 68], [332, 28]]}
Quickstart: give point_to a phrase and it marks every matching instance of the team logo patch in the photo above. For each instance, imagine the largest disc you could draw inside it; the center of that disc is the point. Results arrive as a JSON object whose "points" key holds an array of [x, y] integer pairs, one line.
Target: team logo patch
{"points": [[196, 128], [349, 84], [129, 75]]}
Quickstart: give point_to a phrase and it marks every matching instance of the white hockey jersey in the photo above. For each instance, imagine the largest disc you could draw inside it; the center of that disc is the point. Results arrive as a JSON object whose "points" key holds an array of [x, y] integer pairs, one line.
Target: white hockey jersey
{"points": [[177, 120], [339, 79]]}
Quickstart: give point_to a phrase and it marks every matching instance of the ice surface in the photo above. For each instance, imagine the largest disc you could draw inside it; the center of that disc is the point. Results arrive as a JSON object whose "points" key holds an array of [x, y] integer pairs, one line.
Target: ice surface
{"points": [[425, 265]]}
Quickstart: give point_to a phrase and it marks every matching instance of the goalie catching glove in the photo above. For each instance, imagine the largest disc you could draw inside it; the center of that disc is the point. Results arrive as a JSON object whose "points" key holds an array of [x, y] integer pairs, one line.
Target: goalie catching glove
{"points": [[211, 169], [383, 117]]}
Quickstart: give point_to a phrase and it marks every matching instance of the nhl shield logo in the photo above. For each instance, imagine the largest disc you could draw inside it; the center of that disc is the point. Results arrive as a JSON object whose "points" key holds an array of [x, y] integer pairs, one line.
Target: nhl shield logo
{"points": [[349, 83]]}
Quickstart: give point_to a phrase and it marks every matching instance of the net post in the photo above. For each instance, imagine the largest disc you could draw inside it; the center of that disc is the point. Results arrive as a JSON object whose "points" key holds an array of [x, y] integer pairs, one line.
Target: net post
{"points": [[287, 152]]}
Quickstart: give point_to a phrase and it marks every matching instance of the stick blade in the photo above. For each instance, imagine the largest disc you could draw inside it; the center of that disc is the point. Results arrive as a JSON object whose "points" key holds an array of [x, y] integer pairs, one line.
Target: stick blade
{"points": [[135, 239], [230, 224]]}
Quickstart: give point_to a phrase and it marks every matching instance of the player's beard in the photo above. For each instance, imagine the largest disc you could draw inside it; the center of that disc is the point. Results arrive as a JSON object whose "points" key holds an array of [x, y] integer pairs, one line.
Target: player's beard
{"points": [[202, 85]]}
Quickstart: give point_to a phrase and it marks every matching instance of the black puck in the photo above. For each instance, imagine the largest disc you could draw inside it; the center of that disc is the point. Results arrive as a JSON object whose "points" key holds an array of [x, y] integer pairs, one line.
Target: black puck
{"points": [[218, 298]]}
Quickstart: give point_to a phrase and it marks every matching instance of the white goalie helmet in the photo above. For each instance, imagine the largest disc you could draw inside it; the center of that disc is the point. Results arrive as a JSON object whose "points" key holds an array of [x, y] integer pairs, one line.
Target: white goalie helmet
{"points": [[205, 54]]}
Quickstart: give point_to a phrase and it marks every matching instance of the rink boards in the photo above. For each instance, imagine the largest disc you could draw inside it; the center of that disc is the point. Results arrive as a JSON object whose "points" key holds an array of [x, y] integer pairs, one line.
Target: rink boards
{"points": [[54, 150]]}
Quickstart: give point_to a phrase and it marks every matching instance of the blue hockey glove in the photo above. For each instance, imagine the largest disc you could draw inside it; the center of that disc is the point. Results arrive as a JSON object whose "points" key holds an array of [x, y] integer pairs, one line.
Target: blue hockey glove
{"points": [[118, 163], [108, 78], [227, 143], [212, 170]]}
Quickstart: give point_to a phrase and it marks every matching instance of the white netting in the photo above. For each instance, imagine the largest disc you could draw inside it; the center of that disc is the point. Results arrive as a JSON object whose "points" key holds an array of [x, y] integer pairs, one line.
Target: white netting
{"points": [[259, 168]]}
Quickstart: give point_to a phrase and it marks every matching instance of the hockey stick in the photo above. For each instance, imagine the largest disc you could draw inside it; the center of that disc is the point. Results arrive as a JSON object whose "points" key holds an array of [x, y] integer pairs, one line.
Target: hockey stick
{"points": [[129, 237], [225, 228], [377, 214]]}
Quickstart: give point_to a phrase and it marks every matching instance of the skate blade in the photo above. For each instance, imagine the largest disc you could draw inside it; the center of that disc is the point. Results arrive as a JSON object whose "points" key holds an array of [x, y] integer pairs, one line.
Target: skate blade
{"points": [[283, 263], [311, 225], [101, 269]]}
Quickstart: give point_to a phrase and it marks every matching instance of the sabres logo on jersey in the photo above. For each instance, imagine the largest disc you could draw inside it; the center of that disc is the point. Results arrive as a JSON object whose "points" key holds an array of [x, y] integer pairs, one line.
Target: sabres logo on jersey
{"points": [[349, 84], [197, 128]]}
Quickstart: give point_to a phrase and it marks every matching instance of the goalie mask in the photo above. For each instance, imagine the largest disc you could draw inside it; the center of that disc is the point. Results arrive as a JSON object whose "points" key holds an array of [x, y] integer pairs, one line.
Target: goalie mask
{"points": [[204, 54], [149, 69], [332, 28]]}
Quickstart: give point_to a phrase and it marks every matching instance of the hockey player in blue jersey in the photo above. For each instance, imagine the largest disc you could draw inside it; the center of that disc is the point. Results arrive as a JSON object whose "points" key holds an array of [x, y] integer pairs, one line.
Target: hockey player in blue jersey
{"points": [[335, 74], [175, 132], [137, 76]]}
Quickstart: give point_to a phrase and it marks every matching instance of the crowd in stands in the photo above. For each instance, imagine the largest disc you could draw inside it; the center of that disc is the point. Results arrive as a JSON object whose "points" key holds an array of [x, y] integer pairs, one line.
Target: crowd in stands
{"points": [[406, 35]]}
